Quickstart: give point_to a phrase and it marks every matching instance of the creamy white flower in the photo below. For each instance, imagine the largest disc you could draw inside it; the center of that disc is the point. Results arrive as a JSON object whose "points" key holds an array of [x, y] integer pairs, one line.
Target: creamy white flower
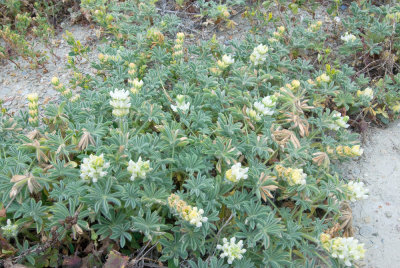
{"points": [[195, 217], [180, 104], [337, 19], [356, 191], [262, 109], [227, 59], [231, 249], [32, 97], [137, 83], [368, 93], [296, 176], [253, 114], [120, 102], [346, 249], [10, 230], [339, 121], [93, 168], [138, 169], [236, 173], [259, 54], [348, 37]]}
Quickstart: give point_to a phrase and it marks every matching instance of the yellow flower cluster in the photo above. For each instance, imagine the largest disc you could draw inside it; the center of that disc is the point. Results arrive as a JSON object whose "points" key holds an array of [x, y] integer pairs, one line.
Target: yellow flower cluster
{"points": [[178, 48], [293, 86], [155, 35], [193, 215], [348, 151], [66, 92], [293, 176], [33, 108], [277, 35], [394, 16], [133, 81], [314, 27], [105, 58], [323, 78]]}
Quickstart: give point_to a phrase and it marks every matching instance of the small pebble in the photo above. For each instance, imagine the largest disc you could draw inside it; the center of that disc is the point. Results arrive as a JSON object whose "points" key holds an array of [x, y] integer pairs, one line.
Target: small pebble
{"points": [[388, 214]]}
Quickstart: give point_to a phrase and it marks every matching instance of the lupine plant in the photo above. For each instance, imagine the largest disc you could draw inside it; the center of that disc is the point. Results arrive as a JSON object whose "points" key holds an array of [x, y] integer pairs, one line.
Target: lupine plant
{"points": [[201, 155]]}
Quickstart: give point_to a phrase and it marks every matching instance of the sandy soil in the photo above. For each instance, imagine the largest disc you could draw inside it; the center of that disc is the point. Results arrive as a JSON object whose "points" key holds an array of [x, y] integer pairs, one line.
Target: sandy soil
{"points": [[16, 83], [376, 220]]}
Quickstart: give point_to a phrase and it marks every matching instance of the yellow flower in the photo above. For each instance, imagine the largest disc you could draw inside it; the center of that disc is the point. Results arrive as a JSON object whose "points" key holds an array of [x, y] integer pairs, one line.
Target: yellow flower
{"points": [[100, 56], [33, 97], [180, 35], [295, 83], [229, 176], [132, 65], [356, 150]]}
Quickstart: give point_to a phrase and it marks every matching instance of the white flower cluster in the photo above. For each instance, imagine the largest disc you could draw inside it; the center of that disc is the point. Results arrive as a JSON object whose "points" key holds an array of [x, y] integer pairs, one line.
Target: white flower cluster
{"points": [[356, 191], [10, 230], [346, 249], [180, 104], [93, 167], [120, 102], [266, 106], [348, 38], [226, 61], [236, 173], [138, 169], [367, 93], [231, 249], [259, 54], [338, 121]]}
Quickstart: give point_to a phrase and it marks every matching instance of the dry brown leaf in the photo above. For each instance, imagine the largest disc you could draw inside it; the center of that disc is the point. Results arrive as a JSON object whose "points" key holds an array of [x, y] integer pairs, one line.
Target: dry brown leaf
{"points": [[265, 190], [321, 158], [285, 135]]}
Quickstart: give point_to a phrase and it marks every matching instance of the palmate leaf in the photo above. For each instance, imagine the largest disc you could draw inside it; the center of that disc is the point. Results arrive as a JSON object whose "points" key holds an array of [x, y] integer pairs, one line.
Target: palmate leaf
{"points": [[128, 194], [193, 239], [67, 189], [61, 212], [105, 225], [61, 170], [150, 225], [214, 262], [198, 186], [276, 257], [237, 201], [270, 227], [173, 249], [193, 162], [152, 195], [121, 232], [257, 213], [100, 197], [33, 212]]}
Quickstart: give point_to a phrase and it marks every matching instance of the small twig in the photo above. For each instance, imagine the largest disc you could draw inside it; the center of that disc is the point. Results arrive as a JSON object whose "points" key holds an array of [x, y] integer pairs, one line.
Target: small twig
{"points": [[219, 233], [134, 261]]}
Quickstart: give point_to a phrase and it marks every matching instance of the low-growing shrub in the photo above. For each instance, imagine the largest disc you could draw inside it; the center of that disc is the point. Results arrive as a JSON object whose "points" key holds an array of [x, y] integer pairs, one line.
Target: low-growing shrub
{"points": [[196, 155]]}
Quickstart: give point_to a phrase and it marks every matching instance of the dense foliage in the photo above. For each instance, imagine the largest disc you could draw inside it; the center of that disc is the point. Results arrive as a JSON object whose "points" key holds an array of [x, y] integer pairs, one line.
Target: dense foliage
{"points": [[201, 155]]}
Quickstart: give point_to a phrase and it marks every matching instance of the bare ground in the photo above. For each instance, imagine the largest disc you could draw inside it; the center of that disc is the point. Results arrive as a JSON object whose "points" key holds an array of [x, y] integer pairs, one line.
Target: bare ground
{"points": [[376, 220]]}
